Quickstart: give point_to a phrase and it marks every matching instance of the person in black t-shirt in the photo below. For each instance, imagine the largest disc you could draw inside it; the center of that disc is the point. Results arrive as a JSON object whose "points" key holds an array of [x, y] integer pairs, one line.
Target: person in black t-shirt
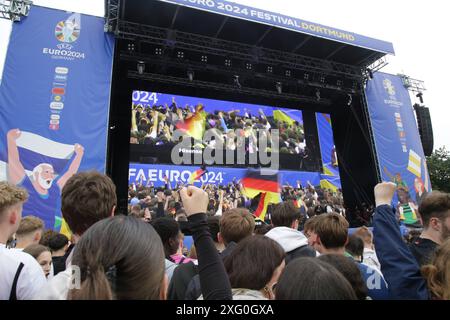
{"points": [[435, 213], [58, 244]]}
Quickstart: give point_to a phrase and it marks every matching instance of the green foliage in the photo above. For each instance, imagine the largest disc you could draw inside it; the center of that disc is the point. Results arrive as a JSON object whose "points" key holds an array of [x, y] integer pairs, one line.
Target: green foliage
{"points": [[439, 169]]}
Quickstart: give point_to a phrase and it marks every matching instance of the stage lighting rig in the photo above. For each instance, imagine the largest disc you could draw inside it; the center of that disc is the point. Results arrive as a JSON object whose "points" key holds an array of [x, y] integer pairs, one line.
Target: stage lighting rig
{"points": [[190, 75], [279, 87], [236, 81], [350, 100], [180, 55], [15, 10], [140, 67], [420, 96]]}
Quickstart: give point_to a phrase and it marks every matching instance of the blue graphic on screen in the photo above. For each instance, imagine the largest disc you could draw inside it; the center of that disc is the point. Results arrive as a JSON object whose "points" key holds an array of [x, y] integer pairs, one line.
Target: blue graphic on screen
{"points": [[54, 103], [399, 149], [327, 147], [155, 173]]}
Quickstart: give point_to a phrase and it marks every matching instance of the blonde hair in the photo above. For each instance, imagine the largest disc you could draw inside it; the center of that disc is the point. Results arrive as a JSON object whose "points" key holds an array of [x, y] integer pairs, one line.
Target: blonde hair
{"points": [[236, 224], [29, 224], [365, 234], [11, 195], [437, 274]]}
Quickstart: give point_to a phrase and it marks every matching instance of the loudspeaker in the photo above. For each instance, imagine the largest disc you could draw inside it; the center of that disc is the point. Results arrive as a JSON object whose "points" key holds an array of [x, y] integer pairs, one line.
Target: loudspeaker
{"points": [[425, 128]]}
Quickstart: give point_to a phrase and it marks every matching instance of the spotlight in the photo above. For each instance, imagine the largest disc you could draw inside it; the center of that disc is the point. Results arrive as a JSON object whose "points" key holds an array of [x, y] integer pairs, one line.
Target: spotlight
{"points": [[318, 94], [350, 99], [205, 59], [228, 63], [236, 82], [288, 73], [306, 76], [140, 67], [180, 54], [269, 69], [339, 83], [158, 51], [279, 87], [248, 66], [420, 96], [322, 79], [190, 75], [130, 47]]}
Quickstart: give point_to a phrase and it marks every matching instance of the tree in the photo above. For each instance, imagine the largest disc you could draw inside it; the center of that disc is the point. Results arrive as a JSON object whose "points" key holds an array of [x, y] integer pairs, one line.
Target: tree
{"points": [[439, 169]]}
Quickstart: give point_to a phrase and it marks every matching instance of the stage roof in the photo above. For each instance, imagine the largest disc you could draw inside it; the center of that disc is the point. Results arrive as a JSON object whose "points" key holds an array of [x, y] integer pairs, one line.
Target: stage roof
{"points": [[238, 23]]}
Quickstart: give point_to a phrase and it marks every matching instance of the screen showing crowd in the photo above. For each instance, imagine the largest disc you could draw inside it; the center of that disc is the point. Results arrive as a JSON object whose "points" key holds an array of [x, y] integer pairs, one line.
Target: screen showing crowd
{"points": [[156, 116]]}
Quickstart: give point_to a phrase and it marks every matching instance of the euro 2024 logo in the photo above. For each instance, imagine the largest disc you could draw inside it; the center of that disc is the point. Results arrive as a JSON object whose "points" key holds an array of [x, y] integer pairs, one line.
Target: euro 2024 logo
{"points": [[389, 87], [68, 32]]}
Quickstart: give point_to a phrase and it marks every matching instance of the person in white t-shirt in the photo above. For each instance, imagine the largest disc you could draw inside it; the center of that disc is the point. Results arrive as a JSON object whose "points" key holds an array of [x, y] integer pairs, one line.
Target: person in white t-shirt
{"points": [[30, 232], [21, 277], [86, 198], [369, 256]]}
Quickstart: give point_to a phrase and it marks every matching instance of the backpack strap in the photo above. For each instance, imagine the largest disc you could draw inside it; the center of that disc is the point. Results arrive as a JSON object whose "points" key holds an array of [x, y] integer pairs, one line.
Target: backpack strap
{"points": [[13, 295]]}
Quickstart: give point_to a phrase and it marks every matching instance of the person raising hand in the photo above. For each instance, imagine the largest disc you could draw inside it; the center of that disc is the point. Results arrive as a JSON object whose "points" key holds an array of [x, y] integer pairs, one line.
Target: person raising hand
{"points": [[214, 280]]}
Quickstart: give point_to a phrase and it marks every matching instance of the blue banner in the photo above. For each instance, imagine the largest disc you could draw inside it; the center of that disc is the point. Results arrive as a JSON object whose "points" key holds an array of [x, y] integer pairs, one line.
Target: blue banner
{"points": [[151, 173], [274, 19], [327, 147], [54, 105], [399, 149], [146, 98]]}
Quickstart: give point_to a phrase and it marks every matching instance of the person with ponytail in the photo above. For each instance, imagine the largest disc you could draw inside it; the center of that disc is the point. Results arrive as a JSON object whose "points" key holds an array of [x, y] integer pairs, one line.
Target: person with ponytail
{"points": [[120, 258], [123, 258]]}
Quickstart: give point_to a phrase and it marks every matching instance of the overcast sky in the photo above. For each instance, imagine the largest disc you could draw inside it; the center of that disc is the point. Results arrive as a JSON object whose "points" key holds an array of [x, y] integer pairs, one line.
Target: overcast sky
{"points": [[418, 29]]}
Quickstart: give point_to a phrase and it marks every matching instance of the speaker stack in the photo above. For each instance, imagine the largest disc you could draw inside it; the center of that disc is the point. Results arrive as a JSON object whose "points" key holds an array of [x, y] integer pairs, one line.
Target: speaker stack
{"points": [[425, 128]]}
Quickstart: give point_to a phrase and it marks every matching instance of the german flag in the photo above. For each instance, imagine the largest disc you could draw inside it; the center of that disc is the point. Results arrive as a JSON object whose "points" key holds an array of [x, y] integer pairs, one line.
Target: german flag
{"points": [[256, 182], [267, 185], [298, 203], [197, 175], [266, 199], [194, 126]]}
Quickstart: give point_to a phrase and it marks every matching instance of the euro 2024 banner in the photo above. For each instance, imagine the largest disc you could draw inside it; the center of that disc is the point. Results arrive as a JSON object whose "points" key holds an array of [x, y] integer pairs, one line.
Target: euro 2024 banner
{"points": [[54, 102], [399, 148]]}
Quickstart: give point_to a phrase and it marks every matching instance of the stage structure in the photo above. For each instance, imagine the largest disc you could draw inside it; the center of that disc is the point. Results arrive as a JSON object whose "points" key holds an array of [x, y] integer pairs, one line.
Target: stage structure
{"points": [[64, 70], [221, 50]]}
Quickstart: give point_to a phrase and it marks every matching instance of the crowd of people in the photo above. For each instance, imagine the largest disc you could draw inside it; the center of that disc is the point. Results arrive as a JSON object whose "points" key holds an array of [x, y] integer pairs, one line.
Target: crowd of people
{"points": [[149, 201], [297, 252], [155, 125]]}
